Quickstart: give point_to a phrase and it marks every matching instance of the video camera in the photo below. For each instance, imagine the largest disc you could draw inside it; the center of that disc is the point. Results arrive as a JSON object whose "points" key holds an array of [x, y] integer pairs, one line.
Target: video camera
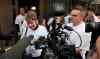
{"points": [[41, 43], [57, 41]]}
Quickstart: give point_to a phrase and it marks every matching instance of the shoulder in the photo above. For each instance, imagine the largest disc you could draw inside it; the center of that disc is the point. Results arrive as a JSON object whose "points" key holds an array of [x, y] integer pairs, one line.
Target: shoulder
{"points": [[18, 16], [42, 29]]}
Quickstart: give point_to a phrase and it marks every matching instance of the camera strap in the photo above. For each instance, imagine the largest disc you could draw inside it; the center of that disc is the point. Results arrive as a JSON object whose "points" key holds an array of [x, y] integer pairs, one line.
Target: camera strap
{"points": [[26, 31]]}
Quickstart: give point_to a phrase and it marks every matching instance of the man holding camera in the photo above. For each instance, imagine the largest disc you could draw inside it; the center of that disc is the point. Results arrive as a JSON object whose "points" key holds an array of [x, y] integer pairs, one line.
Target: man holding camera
{"points": [[77, 16], [71, 38]]}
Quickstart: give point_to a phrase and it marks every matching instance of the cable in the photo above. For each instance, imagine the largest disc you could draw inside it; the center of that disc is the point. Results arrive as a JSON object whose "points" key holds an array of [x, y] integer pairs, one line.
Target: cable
{"points": [[79, 37]]}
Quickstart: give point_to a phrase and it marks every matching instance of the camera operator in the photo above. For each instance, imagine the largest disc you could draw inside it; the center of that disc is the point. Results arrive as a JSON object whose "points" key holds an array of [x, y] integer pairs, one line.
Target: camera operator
{"points": [[72, 38], [35, 30], [77, 17]]}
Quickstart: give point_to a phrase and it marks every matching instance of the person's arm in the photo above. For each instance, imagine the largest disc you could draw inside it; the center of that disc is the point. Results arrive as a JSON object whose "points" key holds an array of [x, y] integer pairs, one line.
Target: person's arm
{"points": [[98, 46], [17, 20]]}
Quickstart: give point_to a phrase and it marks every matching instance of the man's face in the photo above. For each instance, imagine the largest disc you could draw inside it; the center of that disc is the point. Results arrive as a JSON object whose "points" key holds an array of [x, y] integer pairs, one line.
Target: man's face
{"points": [[29, 13], [76, 16], [22, 10]]}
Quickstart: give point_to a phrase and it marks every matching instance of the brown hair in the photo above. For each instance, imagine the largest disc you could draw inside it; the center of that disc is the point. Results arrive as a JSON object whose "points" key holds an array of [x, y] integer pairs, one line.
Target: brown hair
{"points": [[91, 9]]}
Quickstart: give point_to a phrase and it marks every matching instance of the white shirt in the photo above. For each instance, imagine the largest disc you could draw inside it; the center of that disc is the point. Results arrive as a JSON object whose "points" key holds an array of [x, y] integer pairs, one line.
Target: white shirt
{"points": [[73, 38], [85, 37], [40, 31], [23, 28], [19, 20], [96, 19]]}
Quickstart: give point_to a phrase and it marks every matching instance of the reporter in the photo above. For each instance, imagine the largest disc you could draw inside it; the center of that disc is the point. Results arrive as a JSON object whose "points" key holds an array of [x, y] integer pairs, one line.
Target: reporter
{"points": [[77, 16]]}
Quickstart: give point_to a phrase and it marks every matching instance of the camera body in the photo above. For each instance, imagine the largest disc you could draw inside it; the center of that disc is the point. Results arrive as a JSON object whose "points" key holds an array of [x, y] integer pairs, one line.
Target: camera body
{"points": [[41, 43], [57, 41]]}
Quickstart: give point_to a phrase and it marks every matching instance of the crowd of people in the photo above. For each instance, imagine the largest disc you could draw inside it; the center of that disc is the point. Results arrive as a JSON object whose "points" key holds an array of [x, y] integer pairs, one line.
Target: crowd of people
{"points": [[29, 26]]}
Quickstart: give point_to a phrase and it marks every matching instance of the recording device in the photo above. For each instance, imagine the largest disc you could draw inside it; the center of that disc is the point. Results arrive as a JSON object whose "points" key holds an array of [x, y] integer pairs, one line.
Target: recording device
{"points": [[41, 43], [57, 40]]}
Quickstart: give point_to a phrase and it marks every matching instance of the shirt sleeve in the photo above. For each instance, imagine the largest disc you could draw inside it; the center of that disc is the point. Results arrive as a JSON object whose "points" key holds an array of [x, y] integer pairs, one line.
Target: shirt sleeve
{"points": [[17, 20]]}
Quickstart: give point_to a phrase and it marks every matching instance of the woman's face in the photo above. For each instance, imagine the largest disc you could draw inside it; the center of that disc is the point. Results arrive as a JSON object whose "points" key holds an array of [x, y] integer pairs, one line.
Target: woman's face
{"points": [[22, 10]]}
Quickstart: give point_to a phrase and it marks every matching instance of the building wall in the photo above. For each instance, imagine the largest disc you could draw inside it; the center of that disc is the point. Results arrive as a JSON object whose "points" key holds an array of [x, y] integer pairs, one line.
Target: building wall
{"points": [[97, 1], [5, 15]]}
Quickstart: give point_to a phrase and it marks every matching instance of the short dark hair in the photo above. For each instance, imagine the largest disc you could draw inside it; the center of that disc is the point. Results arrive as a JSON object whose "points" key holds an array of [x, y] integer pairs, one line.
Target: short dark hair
{"points": [[91, 9], [77, 7]]}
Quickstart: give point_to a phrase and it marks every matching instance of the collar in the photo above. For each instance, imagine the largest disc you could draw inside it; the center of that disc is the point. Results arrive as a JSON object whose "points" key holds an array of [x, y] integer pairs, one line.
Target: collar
{"points": [[36, 27]]}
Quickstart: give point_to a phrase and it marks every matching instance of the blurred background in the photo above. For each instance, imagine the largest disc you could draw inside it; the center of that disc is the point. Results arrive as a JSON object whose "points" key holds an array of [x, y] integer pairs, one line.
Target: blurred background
{"points": [[43, 7]]}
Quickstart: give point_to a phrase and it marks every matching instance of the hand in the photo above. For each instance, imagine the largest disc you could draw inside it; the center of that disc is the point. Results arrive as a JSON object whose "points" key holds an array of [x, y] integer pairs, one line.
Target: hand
{"points": [[77, 50]]}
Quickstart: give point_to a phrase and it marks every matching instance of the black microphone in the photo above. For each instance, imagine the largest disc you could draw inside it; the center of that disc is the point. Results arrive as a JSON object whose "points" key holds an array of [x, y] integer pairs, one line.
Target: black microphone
{"points": [[68, 28]]}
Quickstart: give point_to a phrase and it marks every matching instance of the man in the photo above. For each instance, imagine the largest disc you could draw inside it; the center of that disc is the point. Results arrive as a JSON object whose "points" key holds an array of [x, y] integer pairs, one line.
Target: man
{"points": [[19, 19], [71, 38], [77, 16]]}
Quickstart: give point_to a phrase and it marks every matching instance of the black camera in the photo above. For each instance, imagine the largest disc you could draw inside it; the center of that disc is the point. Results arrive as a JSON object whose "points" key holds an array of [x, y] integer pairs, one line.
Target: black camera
{"points": [[41, 43]]}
